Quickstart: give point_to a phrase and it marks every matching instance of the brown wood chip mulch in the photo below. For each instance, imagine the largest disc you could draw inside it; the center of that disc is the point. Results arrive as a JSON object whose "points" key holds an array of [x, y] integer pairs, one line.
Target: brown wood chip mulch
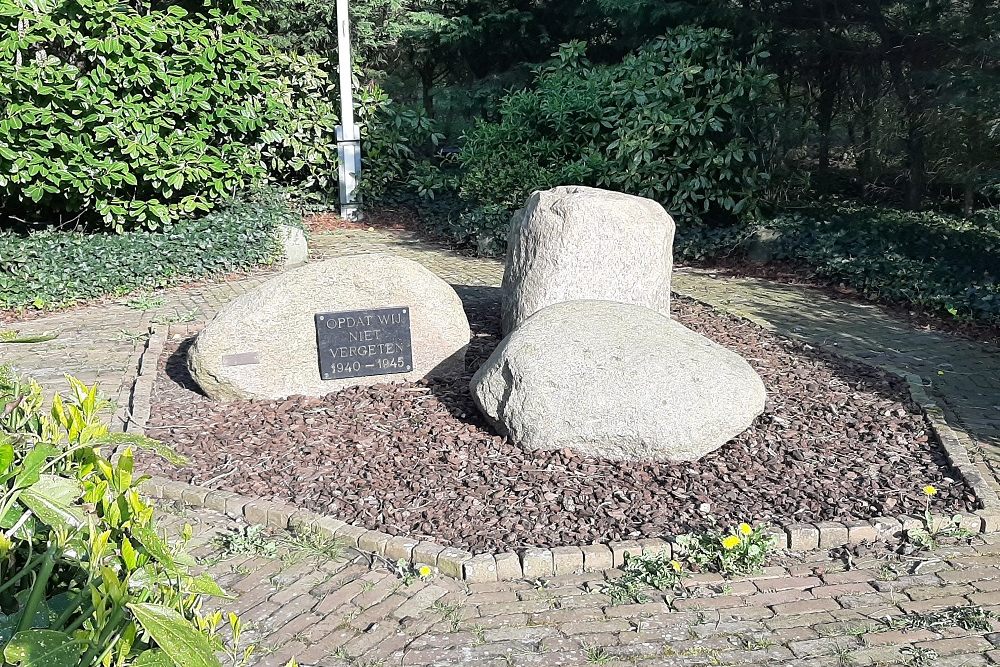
{"points": [[837, 441]]}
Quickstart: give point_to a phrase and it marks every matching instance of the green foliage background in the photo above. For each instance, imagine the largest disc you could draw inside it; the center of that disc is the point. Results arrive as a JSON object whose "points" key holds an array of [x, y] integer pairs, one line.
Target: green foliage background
{"points": [[136, 115]]}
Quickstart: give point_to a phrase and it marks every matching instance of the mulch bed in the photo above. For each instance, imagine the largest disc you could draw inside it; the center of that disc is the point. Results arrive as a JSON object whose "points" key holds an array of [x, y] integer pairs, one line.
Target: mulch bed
{"points": [[837, 441]]}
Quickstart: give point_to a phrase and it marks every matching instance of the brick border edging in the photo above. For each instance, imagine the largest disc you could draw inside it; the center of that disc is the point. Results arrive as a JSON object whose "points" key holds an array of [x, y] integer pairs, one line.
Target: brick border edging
{"points": [[554, 561]]}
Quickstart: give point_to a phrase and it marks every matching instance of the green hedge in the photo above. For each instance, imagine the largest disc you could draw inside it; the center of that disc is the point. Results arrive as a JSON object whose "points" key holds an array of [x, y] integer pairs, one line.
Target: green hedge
{"points": [[930, 261], [51, 269], [134, 115]]}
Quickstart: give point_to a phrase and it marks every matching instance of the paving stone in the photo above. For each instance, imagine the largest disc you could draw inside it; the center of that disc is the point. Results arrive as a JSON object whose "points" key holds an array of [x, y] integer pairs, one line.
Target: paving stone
{"points": [[481, 568], [921, 606], [508, 566], [805, 606], [822, 646], [956, 645], [788, 583], [596, 557], [898, 637], [537, 563], [567, 560], [838, 590]]}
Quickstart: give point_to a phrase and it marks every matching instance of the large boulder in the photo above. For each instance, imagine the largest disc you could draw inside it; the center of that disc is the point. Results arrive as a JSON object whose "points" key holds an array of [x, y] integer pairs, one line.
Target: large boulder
{"points": [[574, 242], [616, 381], [264, 344]]}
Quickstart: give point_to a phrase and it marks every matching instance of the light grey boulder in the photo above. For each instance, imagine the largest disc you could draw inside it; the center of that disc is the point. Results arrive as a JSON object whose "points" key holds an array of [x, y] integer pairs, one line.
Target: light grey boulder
{"points": [[574, 242], [263, 344], [294, 248], [616, 381]]}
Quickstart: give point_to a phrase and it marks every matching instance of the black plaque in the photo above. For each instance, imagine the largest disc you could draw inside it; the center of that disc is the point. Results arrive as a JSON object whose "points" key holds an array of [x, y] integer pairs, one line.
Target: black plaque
{"points": [[358, 343]]}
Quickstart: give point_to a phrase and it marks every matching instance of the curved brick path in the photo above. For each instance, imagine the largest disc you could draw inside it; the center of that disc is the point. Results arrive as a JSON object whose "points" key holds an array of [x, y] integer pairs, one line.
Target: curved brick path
{"points": [[347, 611]]}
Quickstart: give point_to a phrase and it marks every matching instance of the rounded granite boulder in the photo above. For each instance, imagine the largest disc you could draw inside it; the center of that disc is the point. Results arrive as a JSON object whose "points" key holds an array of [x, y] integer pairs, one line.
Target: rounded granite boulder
{"points": [[574, 242], [266, 343], [616, 381]]}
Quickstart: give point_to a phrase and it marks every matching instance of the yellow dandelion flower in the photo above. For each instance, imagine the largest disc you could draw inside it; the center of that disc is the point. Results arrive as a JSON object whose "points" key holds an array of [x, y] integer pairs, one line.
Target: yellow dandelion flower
{"points": [[730, 542], [930, 490], [676, 564], [745, 529], [424, 571]]}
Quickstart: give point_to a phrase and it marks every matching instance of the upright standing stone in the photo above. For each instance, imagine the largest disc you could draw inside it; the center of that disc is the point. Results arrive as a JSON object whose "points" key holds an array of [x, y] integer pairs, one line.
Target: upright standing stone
{"points": [[294, 247], [574, 242], [266, 343]]}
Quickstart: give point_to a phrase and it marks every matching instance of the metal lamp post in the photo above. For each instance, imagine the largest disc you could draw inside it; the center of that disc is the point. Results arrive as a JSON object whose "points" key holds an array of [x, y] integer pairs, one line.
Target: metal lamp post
{"points": [[348, 135]]}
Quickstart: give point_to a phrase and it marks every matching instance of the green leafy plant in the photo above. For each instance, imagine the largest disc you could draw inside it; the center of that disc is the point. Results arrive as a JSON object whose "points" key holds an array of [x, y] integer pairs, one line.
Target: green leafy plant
{"points": [[643, 571], [137, 115], [50, 269], [742, 550], [397, 139], [85, 577], [934, 531], [409, 572], [970, 617], [678, 121]]}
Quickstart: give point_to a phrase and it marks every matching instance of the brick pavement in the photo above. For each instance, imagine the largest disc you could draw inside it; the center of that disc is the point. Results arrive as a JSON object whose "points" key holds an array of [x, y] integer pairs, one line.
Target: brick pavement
{"points": [[343, 612], [810, 612]]}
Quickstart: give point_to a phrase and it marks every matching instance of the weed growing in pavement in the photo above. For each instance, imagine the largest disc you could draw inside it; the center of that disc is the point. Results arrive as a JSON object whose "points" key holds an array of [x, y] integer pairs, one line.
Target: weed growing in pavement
{"points": [[144, 302], [743, 550], [597, 655], [449, 612], [177, 318], [124, 335], [409, 572], [757, 642], [305, 541], [480, 635], [645, 571], [917, 656], [246, 540], [843, 656], [929, 538], [969, 617]]}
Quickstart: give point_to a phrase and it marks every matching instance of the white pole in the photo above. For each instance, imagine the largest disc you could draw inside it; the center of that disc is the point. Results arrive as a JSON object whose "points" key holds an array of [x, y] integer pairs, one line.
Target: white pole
{"points": [[348, 136]]}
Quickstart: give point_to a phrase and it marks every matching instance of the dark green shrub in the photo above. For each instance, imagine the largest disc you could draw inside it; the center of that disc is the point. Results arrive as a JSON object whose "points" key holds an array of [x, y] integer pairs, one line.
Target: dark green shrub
{"points": [[396, 140], [47, 269], [677, 121], [135, 115], [931, 261]]}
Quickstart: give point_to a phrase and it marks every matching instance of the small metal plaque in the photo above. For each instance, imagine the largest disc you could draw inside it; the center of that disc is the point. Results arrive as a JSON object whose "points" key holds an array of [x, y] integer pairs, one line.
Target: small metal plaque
{"points": [[359, 343], [241, 359]]}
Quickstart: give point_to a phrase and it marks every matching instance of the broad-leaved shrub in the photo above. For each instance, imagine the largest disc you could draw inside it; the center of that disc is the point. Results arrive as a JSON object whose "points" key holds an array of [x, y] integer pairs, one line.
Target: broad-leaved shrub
{"points": [[678, 121], [137, 114], [86, 579]]}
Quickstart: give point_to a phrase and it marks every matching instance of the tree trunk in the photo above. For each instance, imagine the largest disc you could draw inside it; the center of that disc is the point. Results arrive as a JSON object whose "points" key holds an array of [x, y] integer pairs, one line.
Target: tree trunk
{"points": [[871, 84], [427, 89], [916, 162], [827, 100]]}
